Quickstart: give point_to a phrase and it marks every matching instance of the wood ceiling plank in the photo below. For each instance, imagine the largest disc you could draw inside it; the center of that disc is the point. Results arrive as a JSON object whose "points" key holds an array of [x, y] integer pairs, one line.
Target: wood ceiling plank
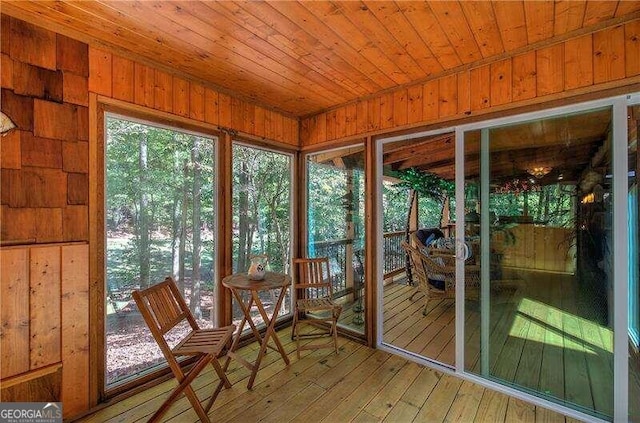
{"points": [[394, 21], [296, 12], [569, 16], [365, 20], [540, 20], [512, 24], [484, 26], [627, 7], [236, 38], [163, 15], [336, 18], [123, 37], [285, 35], [424, 22], [598, 11], [452, 19]]}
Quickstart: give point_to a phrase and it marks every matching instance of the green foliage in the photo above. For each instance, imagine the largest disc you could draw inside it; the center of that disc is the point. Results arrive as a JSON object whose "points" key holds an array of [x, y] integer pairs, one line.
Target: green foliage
{"points": [[426, 184], [261, 207], [166, 176]]}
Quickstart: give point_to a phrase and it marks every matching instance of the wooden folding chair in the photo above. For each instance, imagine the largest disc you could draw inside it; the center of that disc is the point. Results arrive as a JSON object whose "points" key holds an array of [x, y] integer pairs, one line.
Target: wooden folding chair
{"points": [[314, 304], [163, 308]]}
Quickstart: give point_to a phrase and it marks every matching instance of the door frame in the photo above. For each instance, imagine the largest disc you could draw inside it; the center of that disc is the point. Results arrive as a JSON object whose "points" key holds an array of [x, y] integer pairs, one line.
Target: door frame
{"points": [[620, 260]]}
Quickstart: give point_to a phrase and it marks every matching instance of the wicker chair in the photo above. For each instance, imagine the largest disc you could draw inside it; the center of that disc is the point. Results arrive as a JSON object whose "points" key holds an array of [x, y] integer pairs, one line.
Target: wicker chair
{"points": [[438, 265]]}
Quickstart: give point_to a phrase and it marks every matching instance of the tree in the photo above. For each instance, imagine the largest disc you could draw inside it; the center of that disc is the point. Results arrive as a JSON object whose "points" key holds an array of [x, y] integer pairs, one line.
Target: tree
{"points": [[428, 185], [194, 303]]}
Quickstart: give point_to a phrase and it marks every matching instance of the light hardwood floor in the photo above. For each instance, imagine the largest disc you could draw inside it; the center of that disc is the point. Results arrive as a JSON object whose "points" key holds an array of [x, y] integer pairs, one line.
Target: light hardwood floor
{"points": [[545, 335], [359, 384]]}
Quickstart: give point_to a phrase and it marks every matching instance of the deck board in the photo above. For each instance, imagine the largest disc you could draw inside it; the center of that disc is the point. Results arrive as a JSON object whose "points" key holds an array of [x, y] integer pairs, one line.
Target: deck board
{"points": [[357, 385], [541, 338]]}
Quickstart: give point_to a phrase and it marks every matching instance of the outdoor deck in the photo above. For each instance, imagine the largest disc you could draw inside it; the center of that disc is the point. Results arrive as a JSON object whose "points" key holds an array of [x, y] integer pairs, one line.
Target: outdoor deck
{"points": [[359, 384], [542, 335]]}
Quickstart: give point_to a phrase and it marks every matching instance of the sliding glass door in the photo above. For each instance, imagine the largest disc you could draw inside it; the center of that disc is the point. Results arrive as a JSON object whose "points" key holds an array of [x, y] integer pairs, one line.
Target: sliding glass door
{"points": [[539, 205]]}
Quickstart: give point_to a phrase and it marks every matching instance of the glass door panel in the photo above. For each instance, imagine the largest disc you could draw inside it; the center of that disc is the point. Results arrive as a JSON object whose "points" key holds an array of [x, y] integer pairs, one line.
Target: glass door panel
{"points": [[419, 246], [538, 212], [335, 225]]}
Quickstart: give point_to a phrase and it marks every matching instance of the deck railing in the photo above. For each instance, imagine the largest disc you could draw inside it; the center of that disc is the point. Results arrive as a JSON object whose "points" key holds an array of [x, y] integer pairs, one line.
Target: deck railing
{"points": [[336, 251]]}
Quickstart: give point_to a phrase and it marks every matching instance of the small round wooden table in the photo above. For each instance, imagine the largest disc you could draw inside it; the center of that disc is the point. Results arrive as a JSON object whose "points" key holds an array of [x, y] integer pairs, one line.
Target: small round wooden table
{"points": [[241, 282]]}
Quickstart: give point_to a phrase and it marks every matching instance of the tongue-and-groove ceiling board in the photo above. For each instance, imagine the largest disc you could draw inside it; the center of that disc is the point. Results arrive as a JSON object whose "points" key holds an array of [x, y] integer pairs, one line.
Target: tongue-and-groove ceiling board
{"points": [[302, 57]]}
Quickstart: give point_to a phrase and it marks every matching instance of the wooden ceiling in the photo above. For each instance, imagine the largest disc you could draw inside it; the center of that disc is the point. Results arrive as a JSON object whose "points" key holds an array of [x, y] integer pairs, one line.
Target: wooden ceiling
{"points": [[302, 57], [566, 144]]}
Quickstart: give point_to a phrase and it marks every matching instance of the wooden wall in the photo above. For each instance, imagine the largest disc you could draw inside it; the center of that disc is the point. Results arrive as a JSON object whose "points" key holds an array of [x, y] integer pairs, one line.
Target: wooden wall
{"points": [[123, 79], [44, 354], [605, 59], [537, 248], [46, 81]]}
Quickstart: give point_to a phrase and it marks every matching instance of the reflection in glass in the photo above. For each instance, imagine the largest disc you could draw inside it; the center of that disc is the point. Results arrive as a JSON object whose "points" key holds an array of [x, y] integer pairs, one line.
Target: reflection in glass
{"points": [[419, 274], [261, 218], [335, 225], [543, 318], [160, 197]]}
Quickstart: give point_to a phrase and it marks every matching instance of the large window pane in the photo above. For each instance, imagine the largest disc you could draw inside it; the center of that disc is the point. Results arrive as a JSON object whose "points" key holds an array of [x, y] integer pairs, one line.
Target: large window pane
{"points": [[261, 218], [160, 220], [539, 211], [335, 225]]}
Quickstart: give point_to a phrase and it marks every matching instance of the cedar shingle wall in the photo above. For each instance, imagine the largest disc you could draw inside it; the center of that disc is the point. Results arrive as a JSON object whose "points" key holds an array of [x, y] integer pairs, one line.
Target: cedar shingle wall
{"points": [[45, 93]]}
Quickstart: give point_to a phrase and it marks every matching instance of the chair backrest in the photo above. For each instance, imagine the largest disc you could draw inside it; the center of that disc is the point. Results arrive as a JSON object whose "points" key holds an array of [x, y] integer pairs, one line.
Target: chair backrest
{"points": [[162, 308], [313, 278], [416, 262]]}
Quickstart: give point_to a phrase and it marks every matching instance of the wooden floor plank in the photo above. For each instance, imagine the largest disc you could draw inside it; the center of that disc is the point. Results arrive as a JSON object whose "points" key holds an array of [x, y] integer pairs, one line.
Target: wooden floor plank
{"points": [[492, 407], [390, 395], [466, 403], [440, 400], [519, 411]]}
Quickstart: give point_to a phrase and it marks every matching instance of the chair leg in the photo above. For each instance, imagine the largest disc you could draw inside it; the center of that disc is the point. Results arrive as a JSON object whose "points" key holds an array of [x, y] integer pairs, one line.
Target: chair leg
{"points": [[293, 326], [335, 335], [184, 385], [297, 336], [195, 402], [224, 381]]}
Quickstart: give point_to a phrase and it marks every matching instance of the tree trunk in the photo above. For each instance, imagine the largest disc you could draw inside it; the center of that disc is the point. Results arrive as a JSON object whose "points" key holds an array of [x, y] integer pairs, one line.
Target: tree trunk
{"points": [[143, 208], [175, 220], [194, 303], [407, 260], [182, 246], [243, 218]]}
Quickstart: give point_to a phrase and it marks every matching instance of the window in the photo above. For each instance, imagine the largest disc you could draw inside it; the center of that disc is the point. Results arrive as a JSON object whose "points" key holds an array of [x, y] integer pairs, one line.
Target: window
{"points": [[335, 226], [261, 217], [160, 220]]}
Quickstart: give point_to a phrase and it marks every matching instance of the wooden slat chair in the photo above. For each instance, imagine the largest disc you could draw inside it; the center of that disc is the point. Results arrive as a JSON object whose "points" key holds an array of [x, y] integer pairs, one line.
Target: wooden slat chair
{"points": [[314, 304], [163, 308]]}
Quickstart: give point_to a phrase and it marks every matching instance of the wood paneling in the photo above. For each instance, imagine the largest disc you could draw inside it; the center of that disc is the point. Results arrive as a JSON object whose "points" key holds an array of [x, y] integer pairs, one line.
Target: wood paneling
{"points": [[14, 313], [44, 284], [302, 57], [155, 89], [589, 62], [45, 322], [75, 328]]}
